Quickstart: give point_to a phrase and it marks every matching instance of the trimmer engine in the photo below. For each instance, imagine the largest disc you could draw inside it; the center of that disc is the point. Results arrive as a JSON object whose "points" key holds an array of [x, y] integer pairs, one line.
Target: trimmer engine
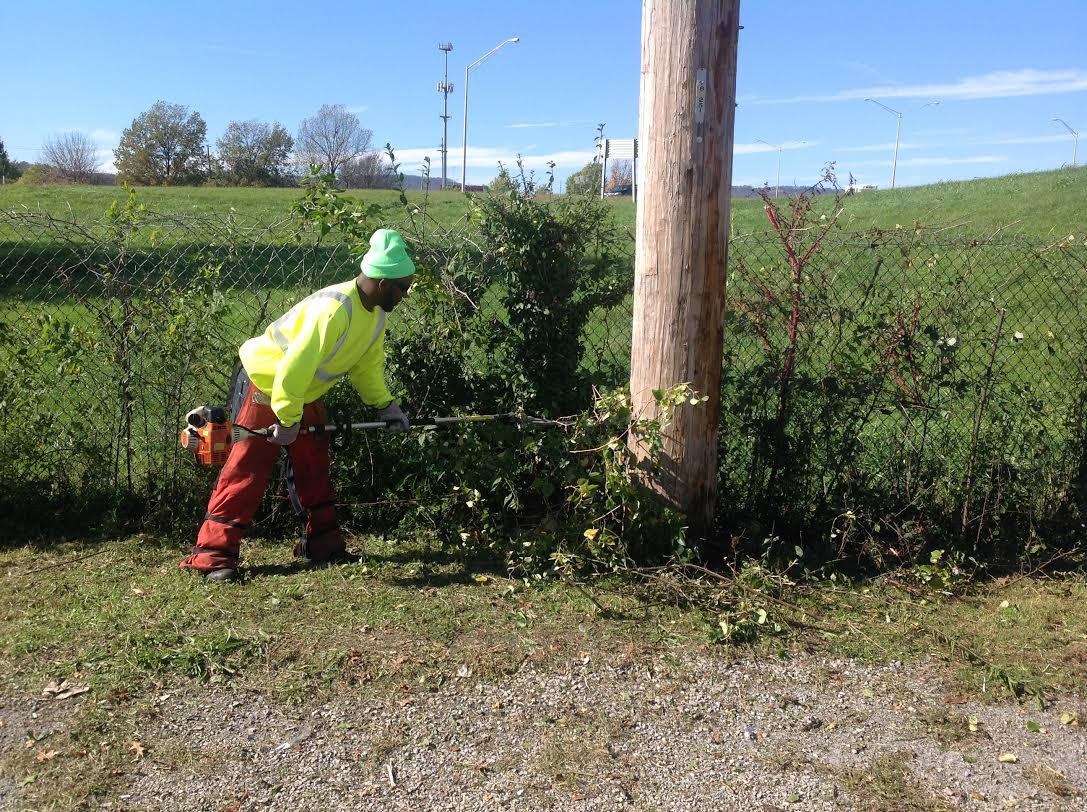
{"points": [[208, 434]]}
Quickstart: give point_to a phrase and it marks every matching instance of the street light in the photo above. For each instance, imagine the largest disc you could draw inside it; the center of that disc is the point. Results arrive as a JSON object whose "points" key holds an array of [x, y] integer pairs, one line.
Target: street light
{"points": [[1075, 139], [777, 188], [464, 138], [898, 132]]}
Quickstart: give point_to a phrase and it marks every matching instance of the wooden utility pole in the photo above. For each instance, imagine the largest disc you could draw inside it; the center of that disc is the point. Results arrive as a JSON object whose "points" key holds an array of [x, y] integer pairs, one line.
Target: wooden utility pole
{"points": [[686, 120]]}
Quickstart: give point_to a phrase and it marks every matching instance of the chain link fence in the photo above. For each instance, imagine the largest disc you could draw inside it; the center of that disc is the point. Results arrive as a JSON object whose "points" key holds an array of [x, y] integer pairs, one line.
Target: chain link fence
{"points": [[899, 378]]}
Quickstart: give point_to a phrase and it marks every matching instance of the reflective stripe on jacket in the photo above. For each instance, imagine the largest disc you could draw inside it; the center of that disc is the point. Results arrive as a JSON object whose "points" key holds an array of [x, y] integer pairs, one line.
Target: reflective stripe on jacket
{"points": [[324, 337]]}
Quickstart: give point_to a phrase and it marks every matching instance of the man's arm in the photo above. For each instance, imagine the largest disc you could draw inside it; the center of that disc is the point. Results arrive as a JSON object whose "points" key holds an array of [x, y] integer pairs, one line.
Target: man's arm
{"points": [[368, 376]]}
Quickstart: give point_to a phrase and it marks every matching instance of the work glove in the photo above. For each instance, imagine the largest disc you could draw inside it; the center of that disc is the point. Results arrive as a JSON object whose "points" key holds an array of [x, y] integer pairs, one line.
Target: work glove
{"points": [[394, 417], [283, 435]]}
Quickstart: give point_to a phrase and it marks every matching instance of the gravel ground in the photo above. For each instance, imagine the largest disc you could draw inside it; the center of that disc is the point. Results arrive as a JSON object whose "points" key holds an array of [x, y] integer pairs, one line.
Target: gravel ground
{"points": [[683, 731]]}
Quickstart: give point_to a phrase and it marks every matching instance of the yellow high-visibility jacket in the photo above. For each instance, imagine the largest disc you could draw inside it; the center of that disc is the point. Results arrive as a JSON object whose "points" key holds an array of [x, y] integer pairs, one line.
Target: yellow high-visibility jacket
{"points": [[318, 341]]}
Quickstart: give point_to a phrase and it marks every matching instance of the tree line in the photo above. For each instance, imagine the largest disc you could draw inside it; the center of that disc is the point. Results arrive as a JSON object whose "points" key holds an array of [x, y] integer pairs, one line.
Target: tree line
{"points": [[167, 145]]}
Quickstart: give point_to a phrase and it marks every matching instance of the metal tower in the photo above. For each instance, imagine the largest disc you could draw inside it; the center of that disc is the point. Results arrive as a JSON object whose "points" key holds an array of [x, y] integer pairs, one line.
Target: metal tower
{"points": [[445, 88]]}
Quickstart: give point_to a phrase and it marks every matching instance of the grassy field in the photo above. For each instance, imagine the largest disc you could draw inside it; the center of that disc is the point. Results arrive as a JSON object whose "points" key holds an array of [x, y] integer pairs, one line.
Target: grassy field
{"points": [[1040, 204]]}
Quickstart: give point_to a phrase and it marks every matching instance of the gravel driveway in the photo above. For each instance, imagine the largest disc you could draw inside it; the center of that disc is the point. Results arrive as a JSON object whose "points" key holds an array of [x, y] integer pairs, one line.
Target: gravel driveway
{"points": [[680, 731]]}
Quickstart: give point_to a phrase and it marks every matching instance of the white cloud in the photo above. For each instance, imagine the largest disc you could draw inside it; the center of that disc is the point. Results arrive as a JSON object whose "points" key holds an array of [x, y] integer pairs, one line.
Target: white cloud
{"points": [[361, 108], [889, 146], [1034, 139], [489, 157], [977, 159], [939, 132], [104, 136], [864, 67], [880, 147], [751, 149], [104, 159], [994, 85]]}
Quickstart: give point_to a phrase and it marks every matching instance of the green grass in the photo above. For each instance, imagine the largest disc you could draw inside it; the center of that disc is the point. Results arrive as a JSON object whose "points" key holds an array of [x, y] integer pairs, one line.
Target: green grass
{"points": [[1023, 637], [1039, 204], [121, 617]]}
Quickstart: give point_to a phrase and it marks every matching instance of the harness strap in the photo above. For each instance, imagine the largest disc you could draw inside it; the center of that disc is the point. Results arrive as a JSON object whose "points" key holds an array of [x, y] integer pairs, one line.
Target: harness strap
{"points": [[221, 520]]}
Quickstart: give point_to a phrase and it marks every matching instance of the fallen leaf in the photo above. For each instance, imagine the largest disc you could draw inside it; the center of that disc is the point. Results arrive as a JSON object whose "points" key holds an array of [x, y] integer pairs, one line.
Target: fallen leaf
{"points": [[481, 579], [1008, 758], [973, 723], [63, 689], [1034, 727], [46, 755], [27, 779], [955, 699], [137, 591], [137, 749], [1069, 718]]}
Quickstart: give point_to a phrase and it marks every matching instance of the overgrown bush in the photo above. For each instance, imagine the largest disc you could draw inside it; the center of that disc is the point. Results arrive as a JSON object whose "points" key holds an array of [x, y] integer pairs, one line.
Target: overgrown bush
{"points": [[494, 323], [879, 421]]}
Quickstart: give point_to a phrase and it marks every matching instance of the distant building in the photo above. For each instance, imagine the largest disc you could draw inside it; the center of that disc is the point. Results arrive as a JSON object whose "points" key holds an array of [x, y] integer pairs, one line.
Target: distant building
{"points": [[861, 187]]}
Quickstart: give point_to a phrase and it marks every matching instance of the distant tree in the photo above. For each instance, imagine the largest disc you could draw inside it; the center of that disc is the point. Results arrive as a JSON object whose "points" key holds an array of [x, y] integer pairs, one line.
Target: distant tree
{"points": [[585, 181], [7, 171], [72, 156], [368, 171], [254, 153], [621, 174], [332, 138], [164, 146], [38, 175]]}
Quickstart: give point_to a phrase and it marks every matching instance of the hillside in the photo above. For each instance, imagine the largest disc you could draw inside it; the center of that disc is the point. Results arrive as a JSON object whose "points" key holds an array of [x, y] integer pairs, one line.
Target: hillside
{"points": [[1039, 204]]}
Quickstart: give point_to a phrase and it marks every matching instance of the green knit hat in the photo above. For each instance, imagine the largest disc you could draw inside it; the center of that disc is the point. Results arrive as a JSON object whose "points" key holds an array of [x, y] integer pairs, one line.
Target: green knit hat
{"points": [[388, 256]]}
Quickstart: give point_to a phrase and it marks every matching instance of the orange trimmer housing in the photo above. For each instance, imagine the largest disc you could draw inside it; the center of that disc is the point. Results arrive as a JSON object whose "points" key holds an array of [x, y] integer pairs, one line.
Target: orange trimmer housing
{"points": [[208, 435]]}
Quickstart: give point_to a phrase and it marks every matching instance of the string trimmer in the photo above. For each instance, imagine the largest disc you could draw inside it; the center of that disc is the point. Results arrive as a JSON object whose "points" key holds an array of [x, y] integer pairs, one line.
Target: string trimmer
{"points": [[209, 434]]}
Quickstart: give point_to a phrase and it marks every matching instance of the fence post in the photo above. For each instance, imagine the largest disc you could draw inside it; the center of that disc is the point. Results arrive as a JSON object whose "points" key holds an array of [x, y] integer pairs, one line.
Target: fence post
{"points": [[685, 129]]}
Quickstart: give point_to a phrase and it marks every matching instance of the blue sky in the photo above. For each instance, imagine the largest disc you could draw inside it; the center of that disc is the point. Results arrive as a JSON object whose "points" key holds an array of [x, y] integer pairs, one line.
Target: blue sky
{"points": [[1001, 71]]}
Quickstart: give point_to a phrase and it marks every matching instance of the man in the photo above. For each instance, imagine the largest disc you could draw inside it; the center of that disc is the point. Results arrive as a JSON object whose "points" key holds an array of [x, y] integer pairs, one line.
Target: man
{"points": [[336, 332]]}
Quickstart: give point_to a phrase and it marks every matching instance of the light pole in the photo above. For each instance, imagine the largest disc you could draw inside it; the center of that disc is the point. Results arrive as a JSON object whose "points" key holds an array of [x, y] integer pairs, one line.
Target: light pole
{"points": [[464, 137], [777, 187], [898, 132], [1075, 140]]}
